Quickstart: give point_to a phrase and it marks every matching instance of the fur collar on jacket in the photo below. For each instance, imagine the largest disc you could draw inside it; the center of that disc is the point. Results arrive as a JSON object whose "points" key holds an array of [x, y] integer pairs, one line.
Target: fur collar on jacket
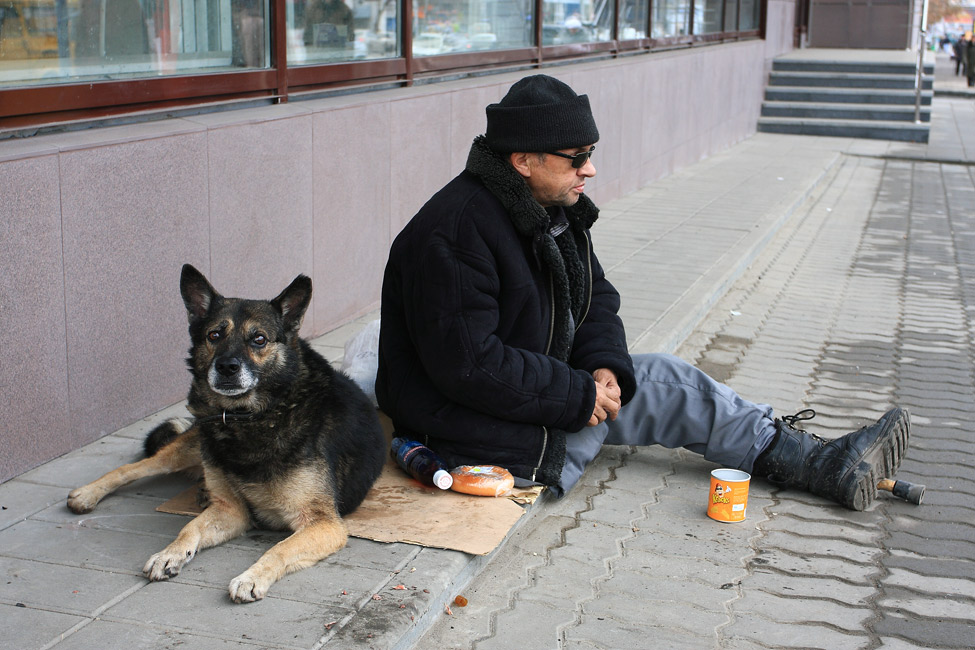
{"points": [[562, 255]]}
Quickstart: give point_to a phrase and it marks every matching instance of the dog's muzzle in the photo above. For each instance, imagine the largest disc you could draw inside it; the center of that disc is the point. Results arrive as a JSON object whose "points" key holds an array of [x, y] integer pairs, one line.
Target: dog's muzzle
{"points": [[231, 377]]}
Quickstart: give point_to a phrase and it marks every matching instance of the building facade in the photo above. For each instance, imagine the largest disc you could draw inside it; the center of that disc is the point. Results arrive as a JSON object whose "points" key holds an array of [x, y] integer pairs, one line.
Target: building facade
{"points": [[260, 139], [865, 24]]}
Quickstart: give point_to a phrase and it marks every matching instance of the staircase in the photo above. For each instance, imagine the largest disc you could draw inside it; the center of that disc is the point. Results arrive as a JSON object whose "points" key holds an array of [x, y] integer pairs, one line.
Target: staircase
{"points": [[847, 93]]}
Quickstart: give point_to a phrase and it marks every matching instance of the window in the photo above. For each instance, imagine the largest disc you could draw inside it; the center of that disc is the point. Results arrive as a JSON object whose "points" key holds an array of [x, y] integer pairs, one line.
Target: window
{"points": [[568, 22], [330, 31], [70, 41], [707, 16], [751, 15], [730, 15], [634, 16], [671, 18], [449, 27], [69, 59]]}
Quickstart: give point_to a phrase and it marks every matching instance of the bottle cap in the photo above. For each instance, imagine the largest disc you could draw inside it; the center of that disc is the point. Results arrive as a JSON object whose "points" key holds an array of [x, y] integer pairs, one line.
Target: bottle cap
{"points": [[442, 479]]}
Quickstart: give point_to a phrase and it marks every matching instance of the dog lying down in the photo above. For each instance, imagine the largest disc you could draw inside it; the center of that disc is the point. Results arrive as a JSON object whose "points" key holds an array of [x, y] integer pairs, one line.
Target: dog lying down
{"points": [[284, 440]]}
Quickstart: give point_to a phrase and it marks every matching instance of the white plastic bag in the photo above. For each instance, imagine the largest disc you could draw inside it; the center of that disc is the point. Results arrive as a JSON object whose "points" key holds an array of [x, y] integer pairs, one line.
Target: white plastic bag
{"points": [[361, 361]]}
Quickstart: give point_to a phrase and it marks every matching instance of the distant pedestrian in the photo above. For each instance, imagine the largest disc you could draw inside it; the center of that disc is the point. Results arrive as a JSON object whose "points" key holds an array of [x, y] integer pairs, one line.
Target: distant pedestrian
{"points": [[956, 51], [968, 58]]}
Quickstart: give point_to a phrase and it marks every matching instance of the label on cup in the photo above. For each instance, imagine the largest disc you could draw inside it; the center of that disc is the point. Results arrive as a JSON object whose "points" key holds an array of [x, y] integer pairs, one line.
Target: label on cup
{"points": [[728, 498]]}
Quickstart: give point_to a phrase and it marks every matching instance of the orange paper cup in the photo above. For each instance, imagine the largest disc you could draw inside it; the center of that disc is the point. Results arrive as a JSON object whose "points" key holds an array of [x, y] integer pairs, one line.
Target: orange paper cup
{"points": [[729, 495]]}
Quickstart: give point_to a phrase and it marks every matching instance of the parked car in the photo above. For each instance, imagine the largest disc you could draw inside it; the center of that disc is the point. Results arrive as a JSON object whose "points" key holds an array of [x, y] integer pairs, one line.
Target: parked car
{"points": [[381, 44], [428, 44], [486, 41], [456, 43]]}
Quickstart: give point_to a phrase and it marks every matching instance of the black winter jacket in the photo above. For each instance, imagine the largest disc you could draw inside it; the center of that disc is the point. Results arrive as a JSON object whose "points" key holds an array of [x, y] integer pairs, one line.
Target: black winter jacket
{"points": [[491, 327]]}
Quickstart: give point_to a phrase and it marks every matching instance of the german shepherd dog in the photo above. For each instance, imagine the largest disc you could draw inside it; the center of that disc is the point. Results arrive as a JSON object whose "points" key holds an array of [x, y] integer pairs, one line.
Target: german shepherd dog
{"points": [[284, 440]]}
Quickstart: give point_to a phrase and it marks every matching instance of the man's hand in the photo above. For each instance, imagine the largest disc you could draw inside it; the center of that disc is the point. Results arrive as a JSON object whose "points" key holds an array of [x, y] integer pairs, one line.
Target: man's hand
{"points": [[608, 395]]}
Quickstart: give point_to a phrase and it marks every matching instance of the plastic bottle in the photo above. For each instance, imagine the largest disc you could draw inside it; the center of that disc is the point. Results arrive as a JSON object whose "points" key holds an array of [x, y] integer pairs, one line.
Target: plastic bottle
{"points": [[420, 462]]}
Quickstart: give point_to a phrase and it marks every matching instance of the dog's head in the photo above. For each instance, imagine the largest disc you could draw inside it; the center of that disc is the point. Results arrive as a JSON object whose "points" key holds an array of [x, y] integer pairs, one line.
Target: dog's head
{"points": [[240, 345]]}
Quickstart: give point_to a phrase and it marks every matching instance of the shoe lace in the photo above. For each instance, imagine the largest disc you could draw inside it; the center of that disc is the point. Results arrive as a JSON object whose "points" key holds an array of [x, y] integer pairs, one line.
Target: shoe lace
{"points": [[801, 416]]}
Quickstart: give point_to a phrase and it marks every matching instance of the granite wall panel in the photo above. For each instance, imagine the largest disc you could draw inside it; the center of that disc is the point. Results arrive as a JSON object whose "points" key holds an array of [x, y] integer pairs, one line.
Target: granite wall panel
{"points": [[34, 411], [132, 213], [351, 190], [420, 152], [260, 186]]}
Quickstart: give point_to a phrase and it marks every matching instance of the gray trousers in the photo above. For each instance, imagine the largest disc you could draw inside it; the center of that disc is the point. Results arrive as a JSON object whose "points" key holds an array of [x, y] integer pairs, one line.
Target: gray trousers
{"points": [[676, 405]]}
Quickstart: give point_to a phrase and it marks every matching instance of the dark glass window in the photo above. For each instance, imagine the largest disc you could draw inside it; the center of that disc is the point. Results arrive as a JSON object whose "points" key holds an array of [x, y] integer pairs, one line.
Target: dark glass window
{"points": [[70, 59]]}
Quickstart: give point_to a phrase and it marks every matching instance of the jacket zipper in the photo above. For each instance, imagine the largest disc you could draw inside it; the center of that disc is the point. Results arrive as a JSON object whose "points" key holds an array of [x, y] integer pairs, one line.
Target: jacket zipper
{"points": [[548, 347], [541, 456], [551, 334], [551, 317], [585, 312]]}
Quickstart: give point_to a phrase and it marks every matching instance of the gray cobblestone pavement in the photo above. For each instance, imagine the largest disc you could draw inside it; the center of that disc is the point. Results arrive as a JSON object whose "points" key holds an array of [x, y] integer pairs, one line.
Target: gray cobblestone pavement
{"points": [[864, 299], [883, 291], [830, 273]]}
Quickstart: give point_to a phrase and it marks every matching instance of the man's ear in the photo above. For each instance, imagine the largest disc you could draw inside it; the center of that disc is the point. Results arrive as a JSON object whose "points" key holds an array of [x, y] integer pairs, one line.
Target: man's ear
{"points": [[519, 160]]}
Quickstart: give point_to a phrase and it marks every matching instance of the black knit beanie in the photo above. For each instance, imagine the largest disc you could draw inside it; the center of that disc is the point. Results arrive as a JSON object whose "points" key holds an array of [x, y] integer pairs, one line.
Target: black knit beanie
{"points": [[540, 114]]}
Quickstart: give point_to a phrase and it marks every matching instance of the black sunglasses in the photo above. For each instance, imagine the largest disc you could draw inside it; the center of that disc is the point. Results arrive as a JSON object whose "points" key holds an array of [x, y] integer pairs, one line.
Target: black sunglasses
{"points": [[578, 159]]}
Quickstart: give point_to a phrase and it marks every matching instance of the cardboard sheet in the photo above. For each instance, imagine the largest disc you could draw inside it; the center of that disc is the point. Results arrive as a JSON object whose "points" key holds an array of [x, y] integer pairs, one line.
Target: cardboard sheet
{"points": [[400, 509]]}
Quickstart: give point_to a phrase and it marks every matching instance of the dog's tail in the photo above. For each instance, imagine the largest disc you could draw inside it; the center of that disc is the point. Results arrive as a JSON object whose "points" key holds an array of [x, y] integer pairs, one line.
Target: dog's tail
{"points": [[163, 434]]}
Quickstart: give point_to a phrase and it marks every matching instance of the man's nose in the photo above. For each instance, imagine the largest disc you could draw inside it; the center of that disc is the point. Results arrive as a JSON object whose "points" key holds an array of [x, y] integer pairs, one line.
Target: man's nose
{"points": [[588, 170]]}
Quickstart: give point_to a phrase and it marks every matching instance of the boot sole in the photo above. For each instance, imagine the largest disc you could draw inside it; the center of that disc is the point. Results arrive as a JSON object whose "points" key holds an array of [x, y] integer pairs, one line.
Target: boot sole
{"points": [[881, 460]]}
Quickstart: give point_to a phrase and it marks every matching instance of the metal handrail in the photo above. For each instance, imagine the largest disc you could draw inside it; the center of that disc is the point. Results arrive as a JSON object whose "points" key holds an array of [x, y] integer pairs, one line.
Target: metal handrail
{"points": [[918, 84]]}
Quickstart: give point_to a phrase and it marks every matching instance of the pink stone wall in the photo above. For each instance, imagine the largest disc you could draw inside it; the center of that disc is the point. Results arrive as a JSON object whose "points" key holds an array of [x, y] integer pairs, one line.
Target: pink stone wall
{"points": [[95, 225]]}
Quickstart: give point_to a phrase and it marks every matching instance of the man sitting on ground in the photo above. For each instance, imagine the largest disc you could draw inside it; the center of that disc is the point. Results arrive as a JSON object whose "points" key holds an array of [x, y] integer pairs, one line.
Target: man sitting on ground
{"points": [[500, 341]]}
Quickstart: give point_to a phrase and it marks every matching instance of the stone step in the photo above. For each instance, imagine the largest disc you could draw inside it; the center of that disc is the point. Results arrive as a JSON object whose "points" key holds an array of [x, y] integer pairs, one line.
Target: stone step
{"points": [[847, 80], [877, 112], [846, 95], [876, 130], [868, 67]]}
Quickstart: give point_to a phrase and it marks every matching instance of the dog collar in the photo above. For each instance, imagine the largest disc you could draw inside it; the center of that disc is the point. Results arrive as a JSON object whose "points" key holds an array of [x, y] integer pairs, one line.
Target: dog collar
{"points": [[232, 416]]}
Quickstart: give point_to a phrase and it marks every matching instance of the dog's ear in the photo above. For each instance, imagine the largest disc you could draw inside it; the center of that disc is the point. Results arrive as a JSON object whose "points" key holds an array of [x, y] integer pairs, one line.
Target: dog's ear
{"points": [[198, 293], [293, 301]]}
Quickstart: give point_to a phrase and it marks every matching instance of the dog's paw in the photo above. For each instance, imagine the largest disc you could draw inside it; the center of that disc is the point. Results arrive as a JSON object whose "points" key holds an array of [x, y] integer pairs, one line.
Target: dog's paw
{"points": [[82, 500], [246, 588], [166, 564]]}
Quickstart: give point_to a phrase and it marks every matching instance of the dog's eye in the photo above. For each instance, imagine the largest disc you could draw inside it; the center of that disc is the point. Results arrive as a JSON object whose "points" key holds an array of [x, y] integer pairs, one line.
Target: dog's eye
{"points": [[214, 335], [260, 340]]}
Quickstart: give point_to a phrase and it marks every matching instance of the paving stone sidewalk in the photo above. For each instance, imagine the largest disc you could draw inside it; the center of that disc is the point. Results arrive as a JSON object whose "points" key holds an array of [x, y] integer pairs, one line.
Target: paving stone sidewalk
{"points": [[826, 272], [864, 299]]}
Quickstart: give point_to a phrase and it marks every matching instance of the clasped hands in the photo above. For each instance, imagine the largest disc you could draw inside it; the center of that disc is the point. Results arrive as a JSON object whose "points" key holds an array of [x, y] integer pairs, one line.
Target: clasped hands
{"points": [[608, 397]]}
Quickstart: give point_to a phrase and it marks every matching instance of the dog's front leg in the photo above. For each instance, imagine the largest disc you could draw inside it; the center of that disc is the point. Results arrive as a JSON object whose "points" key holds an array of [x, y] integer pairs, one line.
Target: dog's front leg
{"points": [[303, 548], [226, 517], [181, 453]]}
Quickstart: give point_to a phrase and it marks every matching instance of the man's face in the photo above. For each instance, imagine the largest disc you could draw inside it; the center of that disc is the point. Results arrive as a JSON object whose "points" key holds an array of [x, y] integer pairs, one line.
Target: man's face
{"points": [[553, 180]]}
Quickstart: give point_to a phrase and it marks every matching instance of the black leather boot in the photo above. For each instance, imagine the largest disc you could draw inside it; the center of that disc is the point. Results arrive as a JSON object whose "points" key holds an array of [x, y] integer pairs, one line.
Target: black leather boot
{"points": [[845, 470]]}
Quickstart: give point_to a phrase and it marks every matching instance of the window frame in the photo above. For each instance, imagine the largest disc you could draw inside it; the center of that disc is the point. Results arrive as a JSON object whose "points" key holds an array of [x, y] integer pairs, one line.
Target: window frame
{"points": [[39, 105]]}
